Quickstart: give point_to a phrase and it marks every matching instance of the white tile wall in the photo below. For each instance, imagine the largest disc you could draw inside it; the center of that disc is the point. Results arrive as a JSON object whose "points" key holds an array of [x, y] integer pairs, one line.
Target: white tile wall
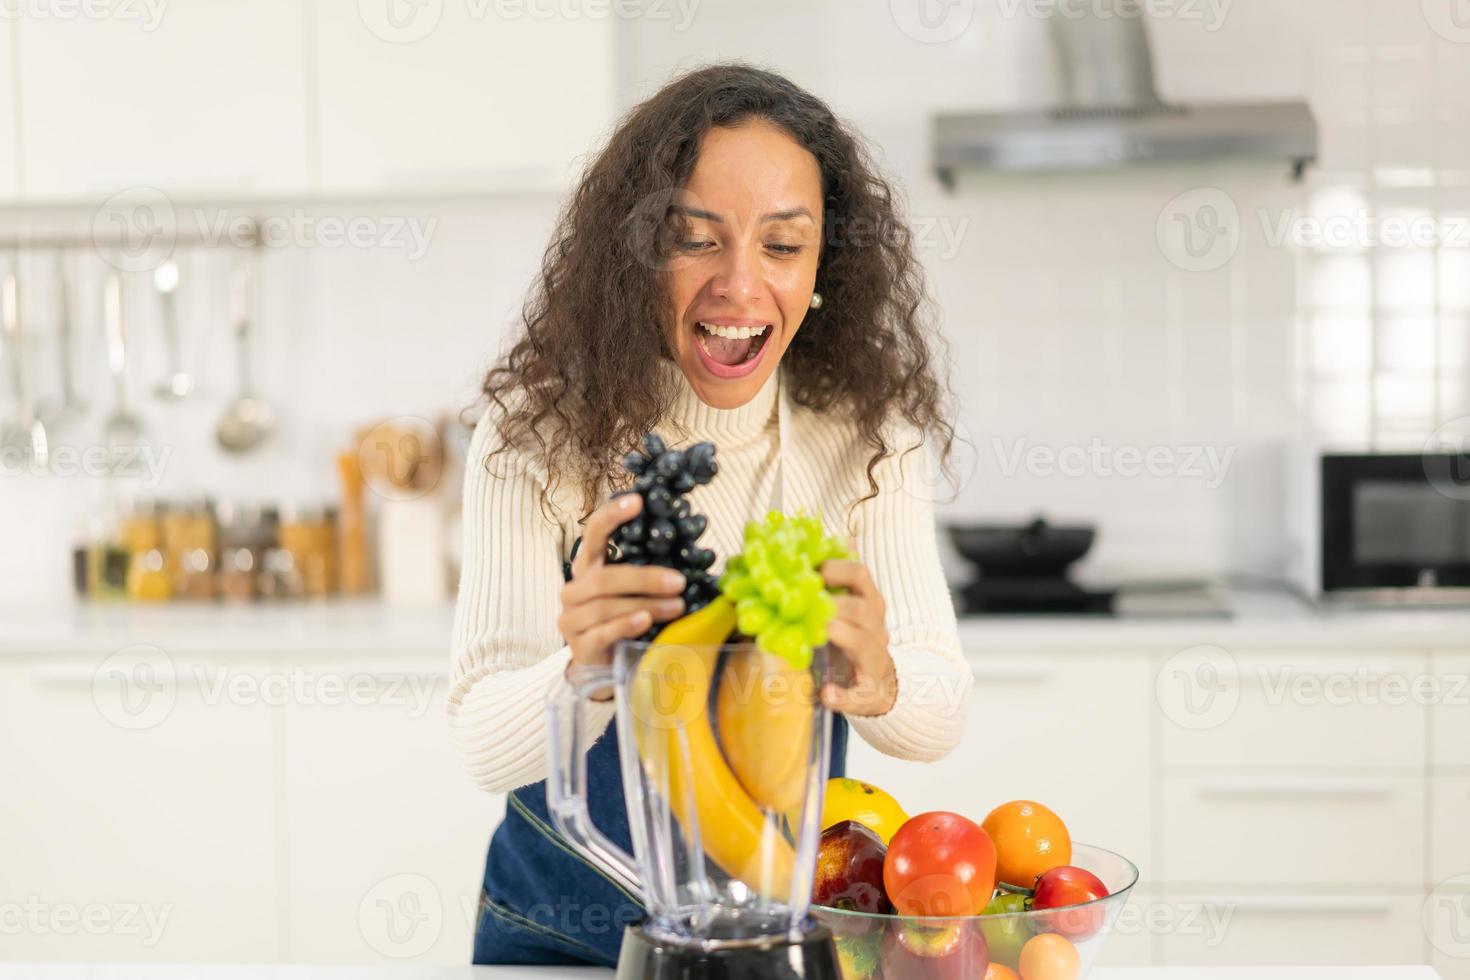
{"points": [[1065, 317]]}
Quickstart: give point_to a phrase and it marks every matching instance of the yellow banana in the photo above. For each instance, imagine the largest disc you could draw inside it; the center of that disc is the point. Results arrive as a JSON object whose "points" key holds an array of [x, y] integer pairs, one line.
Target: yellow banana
{"points": [[764, 711], [669, 700]]}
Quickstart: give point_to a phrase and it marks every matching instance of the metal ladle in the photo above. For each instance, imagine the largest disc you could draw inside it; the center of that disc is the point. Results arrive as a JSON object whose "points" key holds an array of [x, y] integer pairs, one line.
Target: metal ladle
{"points": [[179, 382], [122, 428], [25, 433], [68, 408], [247, 421]]}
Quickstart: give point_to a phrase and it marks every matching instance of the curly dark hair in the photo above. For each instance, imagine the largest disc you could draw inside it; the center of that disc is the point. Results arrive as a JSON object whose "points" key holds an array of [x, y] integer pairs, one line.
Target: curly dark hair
{"points": [[579, 386]]}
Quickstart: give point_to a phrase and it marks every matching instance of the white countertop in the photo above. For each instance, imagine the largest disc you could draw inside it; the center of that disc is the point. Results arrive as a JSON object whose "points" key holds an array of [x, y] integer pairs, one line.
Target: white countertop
{"points": [[67, 971], [366, 628]]}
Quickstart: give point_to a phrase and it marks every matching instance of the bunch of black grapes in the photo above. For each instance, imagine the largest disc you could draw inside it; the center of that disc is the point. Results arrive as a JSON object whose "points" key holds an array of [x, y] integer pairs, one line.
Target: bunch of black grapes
{"points": [[665, 532]]}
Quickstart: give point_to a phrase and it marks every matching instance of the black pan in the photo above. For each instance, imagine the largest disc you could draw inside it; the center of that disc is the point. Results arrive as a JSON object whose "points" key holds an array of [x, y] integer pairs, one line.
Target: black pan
{"points": [[1035, 550]]}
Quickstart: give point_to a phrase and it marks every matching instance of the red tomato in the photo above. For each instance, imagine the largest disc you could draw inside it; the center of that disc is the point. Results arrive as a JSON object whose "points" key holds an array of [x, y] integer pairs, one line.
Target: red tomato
{"points": [[939, 863], [1066, 886]]}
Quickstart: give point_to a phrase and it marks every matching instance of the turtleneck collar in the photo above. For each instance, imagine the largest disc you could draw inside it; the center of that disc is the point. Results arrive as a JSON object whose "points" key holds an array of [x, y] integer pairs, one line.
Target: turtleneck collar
{"points": [[727, 427]]}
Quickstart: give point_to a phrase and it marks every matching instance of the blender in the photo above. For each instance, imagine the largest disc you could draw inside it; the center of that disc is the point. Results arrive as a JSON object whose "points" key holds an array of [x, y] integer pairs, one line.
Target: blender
{"points": [[724, 752]]}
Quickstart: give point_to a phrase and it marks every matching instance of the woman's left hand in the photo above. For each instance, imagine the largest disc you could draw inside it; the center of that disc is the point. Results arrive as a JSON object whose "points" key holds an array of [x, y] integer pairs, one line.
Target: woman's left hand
{"points": [[858, 631]]}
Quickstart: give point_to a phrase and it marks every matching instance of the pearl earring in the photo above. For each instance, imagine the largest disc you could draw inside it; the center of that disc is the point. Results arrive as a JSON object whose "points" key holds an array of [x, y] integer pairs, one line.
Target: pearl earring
{"points": [[816, 301]]}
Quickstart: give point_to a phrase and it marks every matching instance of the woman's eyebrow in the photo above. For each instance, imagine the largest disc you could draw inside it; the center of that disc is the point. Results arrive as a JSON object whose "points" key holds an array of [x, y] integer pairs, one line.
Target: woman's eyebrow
{"points": [[786, 215]]}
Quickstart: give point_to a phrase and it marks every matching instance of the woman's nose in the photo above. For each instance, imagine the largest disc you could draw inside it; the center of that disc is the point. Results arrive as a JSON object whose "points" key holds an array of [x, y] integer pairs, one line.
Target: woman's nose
{"points": [[739, 278]]}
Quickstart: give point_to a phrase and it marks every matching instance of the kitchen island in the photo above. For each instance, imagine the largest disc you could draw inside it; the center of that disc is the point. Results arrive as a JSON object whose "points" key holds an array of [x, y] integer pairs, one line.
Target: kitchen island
{"points": [[98, 971], [315, 741]]}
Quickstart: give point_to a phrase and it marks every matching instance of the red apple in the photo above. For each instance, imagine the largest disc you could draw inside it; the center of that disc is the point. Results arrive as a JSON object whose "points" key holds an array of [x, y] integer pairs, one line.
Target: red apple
{"points": [[849, 877], [916, 950], [1062, 889]]}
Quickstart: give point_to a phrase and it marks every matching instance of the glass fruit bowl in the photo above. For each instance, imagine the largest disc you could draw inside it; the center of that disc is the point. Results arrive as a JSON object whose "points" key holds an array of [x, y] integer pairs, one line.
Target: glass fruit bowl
{"points": [[895, 947]]}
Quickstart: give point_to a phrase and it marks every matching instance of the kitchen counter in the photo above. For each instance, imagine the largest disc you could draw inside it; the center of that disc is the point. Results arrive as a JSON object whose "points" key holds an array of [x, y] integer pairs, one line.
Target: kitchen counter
{"points": [[1257, 620], [366, 628], [66, 971]]}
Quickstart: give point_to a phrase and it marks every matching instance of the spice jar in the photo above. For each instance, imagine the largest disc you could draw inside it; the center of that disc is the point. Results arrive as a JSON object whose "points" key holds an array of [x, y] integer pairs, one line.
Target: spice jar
{"points": [[142, 529], [278, 577], [242, 537], [148, 577], [189, 544], [308, 535]]}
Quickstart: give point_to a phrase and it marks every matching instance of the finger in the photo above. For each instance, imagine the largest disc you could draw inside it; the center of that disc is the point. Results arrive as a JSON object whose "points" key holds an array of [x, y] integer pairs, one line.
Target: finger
{"points": [[849, 637], [605, 580], [856, 610], [865, 698], [599, 528], [624, 628], [843, 573], [588, 615]]}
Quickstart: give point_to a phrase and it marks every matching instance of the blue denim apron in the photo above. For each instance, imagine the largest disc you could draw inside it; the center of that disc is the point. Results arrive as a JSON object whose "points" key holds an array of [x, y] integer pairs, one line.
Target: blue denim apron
{"points": [[542, 902]]}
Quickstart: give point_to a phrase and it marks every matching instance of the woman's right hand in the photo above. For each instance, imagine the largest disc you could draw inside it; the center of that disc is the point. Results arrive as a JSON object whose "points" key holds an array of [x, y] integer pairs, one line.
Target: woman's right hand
{"points": [[604, 603]]}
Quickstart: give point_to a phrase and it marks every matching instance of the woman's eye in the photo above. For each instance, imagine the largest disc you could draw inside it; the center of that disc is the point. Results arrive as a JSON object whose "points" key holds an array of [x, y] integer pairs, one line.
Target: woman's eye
{"points": [[781, 249], [695, 246]]}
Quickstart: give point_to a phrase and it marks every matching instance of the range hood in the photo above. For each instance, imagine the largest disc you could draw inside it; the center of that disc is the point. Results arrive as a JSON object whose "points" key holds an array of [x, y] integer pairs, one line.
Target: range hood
{"points": [[1113, 116]]}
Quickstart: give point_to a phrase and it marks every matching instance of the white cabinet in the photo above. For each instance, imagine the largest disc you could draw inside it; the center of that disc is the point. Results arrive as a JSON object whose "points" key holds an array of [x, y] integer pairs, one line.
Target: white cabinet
{"points": [[1449, 831], [1446, 921], [1070, 731], [1280, 928], [206, 98], [458, 96], [8, 146], [221, 100], [139, 815], [1293, 708], [1293, 829], [386, 835], [1449, 712]]}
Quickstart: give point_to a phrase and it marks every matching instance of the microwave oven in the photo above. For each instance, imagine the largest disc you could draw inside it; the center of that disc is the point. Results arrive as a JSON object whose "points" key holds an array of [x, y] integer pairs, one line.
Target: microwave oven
{"points": [[1391, 528]]}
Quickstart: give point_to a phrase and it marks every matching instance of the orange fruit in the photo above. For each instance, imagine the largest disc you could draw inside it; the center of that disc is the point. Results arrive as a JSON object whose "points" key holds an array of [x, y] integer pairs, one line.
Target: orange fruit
{"points": [[1029, 839], [1050, 957], [853, 799], [997, 972]]}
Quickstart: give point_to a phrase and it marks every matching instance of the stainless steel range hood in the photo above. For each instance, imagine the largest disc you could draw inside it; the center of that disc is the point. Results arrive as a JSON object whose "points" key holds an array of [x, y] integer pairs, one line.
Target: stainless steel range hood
{"points": [[1113, 116]]}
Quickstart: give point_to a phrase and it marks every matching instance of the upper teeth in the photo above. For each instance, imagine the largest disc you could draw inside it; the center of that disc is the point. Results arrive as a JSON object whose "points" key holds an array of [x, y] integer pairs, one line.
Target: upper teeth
{"points": [[733, 333]]}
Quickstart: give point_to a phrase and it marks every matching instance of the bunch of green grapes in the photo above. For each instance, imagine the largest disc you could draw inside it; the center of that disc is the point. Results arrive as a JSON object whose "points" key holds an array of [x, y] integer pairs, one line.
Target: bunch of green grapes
{"points": [[780, 598]]}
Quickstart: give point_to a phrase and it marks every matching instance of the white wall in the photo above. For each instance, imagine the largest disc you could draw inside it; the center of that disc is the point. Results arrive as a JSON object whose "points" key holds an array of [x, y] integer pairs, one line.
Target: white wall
{"points": [[1067, 320]]}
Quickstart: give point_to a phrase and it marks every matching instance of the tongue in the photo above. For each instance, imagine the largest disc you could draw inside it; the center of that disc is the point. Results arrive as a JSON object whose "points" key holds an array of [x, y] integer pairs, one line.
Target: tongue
{"points": [[727, 351]]}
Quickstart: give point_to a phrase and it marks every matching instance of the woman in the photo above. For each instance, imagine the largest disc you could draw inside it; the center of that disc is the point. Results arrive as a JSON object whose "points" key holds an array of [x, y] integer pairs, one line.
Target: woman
{"points": [[729, 269]]}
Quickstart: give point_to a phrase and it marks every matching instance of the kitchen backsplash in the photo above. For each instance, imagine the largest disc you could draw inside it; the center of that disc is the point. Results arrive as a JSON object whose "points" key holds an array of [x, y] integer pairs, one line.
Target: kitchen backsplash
{"points": [[1144, 350]]}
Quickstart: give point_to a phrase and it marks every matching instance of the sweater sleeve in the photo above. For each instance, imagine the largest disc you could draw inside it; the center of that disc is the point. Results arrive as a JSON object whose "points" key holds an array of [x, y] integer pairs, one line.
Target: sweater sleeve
{"points": [[896, 539], [507, 656]]}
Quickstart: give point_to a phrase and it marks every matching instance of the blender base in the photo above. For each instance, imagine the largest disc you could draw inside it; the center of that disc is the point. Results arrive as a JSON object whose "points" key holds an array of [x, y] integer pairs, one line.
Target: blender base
{"points": [[814, 957]]}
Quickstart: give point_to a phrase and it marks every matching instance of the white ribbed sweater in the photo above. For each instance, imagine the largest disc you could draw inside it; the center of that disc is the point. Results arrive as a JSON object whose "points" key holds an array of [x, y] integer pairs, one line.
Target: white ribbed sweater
{"points": [[508, 655]]}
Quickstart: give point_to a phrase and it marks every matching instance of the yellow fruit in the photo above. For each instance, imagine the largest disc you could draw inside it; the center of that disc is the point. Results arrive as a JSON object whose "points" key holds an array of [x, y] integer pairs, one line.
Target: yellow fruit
{"points": [[676, 745], [853, 799], [764, 710], [1050, 957]]}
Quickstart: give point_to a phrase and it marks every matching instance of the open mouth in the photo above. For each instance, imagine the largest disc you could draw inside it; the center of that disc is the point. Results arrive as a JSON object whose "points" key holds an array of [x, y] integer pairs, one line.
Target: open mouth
{"points": [[731, 350]]}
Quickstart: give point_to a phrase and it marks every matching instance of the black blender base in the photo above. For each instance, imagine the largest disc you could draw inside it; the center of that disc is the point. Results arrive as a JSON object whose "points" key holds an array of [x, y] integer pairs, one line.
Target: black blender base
{"points": [[776, 958]]}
